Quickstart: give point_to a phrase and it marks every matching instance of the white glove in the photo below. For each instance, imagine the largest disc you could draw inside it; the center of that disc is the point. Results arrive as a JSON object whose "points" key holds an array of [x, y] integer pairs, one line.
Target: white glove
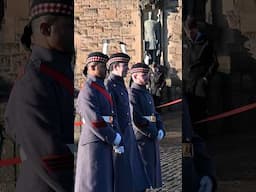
{"points": [[160, 135], [117, 139], [119, 149], [206, 184]]}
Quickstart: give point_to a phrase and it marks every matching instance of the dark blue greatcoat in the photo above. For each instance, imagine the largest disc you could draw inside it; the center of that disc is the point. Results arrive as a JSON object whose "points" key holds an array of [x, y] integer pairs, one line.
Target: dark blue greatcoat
{"points": [[40, 118], [146, 132], [135, 178], [94, 169]]}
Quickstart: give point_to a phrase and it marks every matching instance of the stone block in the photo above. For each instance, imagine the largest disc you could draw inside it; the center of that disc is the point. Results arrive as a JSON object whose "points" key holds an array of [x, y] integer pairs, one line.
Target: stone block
{"points": [[98, 29], [125, 31], [248, 6], [116, 24], [116, 33], [17, 11], [110, 14], [90, 31], [227, 5], [247, 22], [91, 12]]}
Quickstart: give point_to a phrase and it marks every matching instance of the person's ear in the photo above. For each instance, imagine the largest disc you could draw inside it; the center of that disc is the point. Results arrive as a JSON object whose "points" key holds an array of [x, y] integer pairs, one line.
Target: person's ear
{"points": [[134, 76], [115, 66], [45, 29], [93, 67]]}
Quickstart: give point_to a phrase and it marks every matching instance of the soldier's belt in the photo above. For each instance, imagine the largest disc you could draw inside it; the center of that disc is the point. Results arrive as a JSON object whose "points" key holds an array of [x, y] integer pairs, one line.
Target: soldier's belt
{"points": [[83, 121], [108, 119], [187, 150], [151, 118]]}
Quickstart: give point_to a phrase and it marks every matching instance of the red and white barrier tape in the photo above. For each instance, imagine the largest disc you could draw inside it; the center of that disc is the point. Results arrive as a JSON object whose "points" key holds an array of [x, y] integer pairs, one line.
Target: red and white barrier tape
{"points": [[232, 112], [228, 113]]}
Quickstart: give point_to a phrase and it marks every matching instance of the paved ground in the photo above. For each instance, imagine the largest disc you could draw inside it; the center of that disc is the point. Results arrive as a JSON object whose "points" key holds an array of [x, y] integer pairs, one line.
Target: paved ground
{"points": [[171, 169], [171, 153], [235, 159], [233, 154], [170, 150]]}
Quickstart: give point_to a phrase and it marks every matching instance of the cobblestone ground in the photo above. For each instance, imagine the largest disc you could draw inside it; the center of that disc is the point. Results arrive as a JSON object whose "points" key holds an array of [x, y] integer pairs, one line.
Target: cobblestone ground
{"points": [[170, 150], [171, 169]]}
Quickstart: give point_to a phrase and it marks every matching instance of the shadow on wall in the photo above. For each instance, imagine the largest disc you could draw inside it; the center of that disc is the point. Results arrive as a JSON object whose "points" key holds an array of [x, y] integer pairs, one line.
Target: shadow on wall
{"points": [[236, 87], [234, 136], [233, 86]]}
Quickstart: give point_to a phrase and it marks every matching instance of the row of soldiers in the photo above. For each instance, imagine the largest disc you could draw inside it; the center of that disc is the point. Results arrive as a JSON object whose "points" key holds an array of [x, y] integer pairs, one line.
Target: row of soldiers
{"points": [[40, 114], [119, 145], [108, 126]]}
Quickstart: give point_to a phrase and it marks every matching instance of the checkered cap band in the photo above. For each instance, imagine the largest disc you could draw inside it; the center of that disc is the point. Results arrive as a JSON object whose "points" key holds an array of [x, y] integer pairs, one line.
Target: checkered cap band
{"points": [[118, 59], [51, 8], [139, 70], [96, 59]]}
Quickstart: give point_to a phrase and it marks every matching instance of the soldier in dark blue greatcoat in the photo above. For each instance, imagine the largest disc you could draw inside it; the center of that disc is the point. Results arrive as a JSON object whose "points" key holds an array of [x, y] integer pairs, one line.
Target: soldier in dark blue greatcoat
{"points": [[130, 163], [40, 111], [147, 123], [100, 136]]}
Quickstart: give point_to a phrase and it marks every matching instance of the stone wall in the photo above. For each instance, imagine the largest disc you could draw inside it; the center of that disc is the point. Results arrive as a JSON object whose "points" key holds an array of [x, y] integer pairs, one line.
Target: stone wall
{"points": [[12, 56], [96, 20], [173, 34], [235, 46], [122, 21]]}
